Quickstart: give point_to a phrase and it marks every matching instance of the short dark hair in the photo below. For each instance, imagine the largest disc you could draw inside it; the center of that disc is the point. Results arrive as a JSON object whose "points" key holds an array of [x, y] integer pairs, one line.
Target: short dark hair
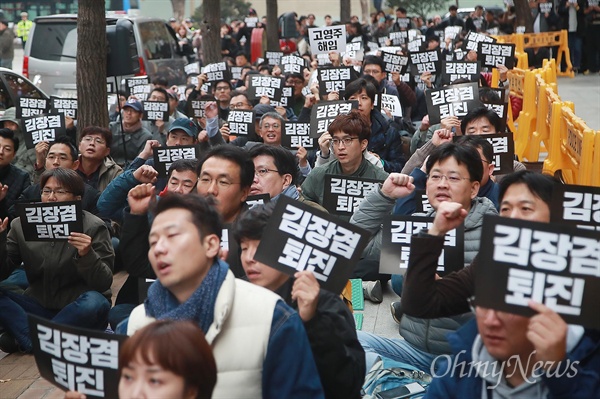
{"points": [[353, 123], [68, 179], [10, 135], [236, 155], [203, 213], [251, 224], [373, 60], [284, 160], [161, 90], [401, 9], [160, 80], [452, 8], [182, 165], [359, 85], [478, 142], [294, 75], [539, 184], [216, 82], [467, 156], [66, 141], [487, 94], [102, 131], [478, 113]]}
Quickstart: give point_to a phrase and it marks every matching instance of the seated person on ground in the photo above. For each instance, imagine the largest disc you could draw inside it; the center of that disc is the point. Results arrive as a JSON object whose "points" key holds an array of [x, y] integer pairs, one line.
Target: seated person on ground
{"points": [[258, 341], [69, 281]]}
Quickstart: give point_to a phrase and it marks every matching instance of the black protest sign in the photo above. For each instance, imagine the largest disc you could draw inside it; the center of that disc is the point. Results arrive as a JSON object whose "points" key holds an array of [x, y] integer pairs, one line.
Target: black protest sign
{"points": [[297, 134], [241, 122], [76, 359], [265, 85], [335, 79], [417, 44], [395, 62], [67, 106], [504, 152], [343, 194], [425, 61], [326, 39], [139, 87], [355, 51], [451, 32], [398, 38], [472, 40], [554, 264], [50, 221], [273, 57], [45, 127], [165, 156], [492, 54], [403, 23], [257, 199], [546, 8], [192, 69], [196, 108], [156, 111], [500, 108], [287, 99], [454, 100], [422, 204], [323, 113], [217, 72], [453, 70], [576, 205], [300, 237], [236, 72], [28, 106], [395, 245], [293, 64], [392, 103]]}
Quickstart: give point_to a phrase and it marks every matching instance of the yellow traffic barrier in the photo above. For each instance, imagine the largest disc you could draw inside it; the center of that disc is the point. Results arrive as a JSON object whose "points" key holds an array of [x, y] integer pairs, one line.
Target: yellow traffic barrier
{"points": [[545, 119], [572, 148], [596, 161], [527, 118]]}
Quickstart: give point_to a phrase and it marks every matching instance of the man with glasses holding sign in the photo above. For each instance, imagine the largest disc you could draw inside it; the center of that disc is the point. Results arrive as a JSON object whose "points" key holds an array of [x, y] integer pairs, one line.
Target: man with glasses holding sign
{"points": [[69, 279]]}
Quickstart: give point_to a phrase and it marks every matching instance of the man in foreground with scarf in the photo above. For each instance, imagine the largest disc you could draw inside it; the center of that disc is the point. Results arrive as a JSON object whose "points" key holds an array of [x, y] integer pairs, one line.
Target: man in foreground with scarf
{"points": [[259, 343]]}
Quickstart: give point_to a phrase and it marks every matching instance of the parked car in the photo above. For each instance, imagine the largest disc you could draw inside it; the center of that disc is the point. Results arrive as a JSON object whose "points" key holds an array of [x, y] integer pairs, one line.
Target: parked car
{"points": [[13, 86], [51, 50]]}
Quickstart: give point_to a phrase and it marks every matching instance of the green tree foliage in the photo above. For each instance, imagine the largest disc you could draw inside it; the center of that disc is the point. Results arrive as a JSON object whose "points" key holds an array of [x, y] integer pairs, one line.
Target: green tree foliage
{"points": [[230, 9], [419, 7]]}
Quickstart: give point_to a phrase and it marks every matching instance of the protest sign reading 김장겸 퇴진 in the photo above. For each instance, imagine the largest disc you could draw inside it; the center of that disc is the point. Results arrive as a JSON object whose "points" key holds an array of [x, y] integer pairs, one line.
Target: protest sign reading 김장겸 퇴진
{"points": [[300, 237], [554, 264]]}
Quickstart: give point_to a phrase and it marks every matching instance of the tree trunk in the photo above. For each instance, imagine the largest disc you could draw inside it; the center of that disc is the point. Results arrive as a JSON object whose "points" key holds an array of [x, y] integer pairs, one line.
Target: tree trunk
{"points": [[524, 17], [272, 26], [344, 11], [91, 65], [364, 9], [178, 9], [211, 36]]}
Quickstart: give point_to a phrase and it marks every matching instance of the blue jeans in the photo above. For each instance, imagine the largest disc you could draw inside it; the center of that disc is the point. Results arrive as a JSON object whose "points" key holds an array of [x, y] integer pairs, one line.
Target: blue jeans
{"points": [[397, 281], [395, 349], [575, 48], [17, 278], [119, 313], [89, 310]]}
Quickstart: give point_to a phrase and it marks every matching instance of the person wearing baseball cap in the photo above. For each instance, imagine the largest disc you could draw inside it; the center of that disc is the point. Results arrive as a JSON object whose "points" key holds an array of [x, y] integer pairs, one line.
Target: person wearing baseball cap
{"points": [[129, 137]]}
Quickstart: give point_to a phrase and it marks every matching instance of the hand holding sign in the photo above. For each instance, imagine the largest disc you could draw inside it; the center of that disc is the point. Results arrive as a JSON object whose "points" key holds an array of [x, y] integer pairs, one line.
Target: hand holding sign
{"points": [[325, 143], [397, 185], [302, 156], [140, 197], [81, 242], [41, 150], [4, 225], [306, 292], [449, 216], [548, 333]]}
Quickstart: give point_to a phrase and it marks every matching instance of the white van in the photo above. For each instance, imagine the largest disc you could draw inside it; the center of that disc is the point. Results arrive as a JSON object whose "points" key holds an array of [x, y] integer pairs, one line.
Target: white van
{"points": [[50, 52]]}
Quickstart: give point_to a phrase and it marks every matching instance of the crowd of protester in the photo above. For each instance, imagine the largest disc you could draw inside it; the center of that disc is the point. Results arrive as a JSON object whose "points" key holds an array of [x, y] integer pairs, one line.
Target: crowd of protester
{"points": [[255, 331]]}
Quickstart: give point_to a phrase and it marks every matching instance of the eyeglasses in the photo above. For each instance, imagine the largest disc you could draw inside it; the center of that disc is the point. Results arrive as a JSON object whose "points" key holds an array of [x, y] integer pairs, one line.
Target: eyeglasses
{"points": [[239, 105], [274, 126], [262, 172], [346, 141], [97, 140], [452, 179], [207, 181], [58, 192], [294, 82], [222, 88], [371, 71], [53, 157]]}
